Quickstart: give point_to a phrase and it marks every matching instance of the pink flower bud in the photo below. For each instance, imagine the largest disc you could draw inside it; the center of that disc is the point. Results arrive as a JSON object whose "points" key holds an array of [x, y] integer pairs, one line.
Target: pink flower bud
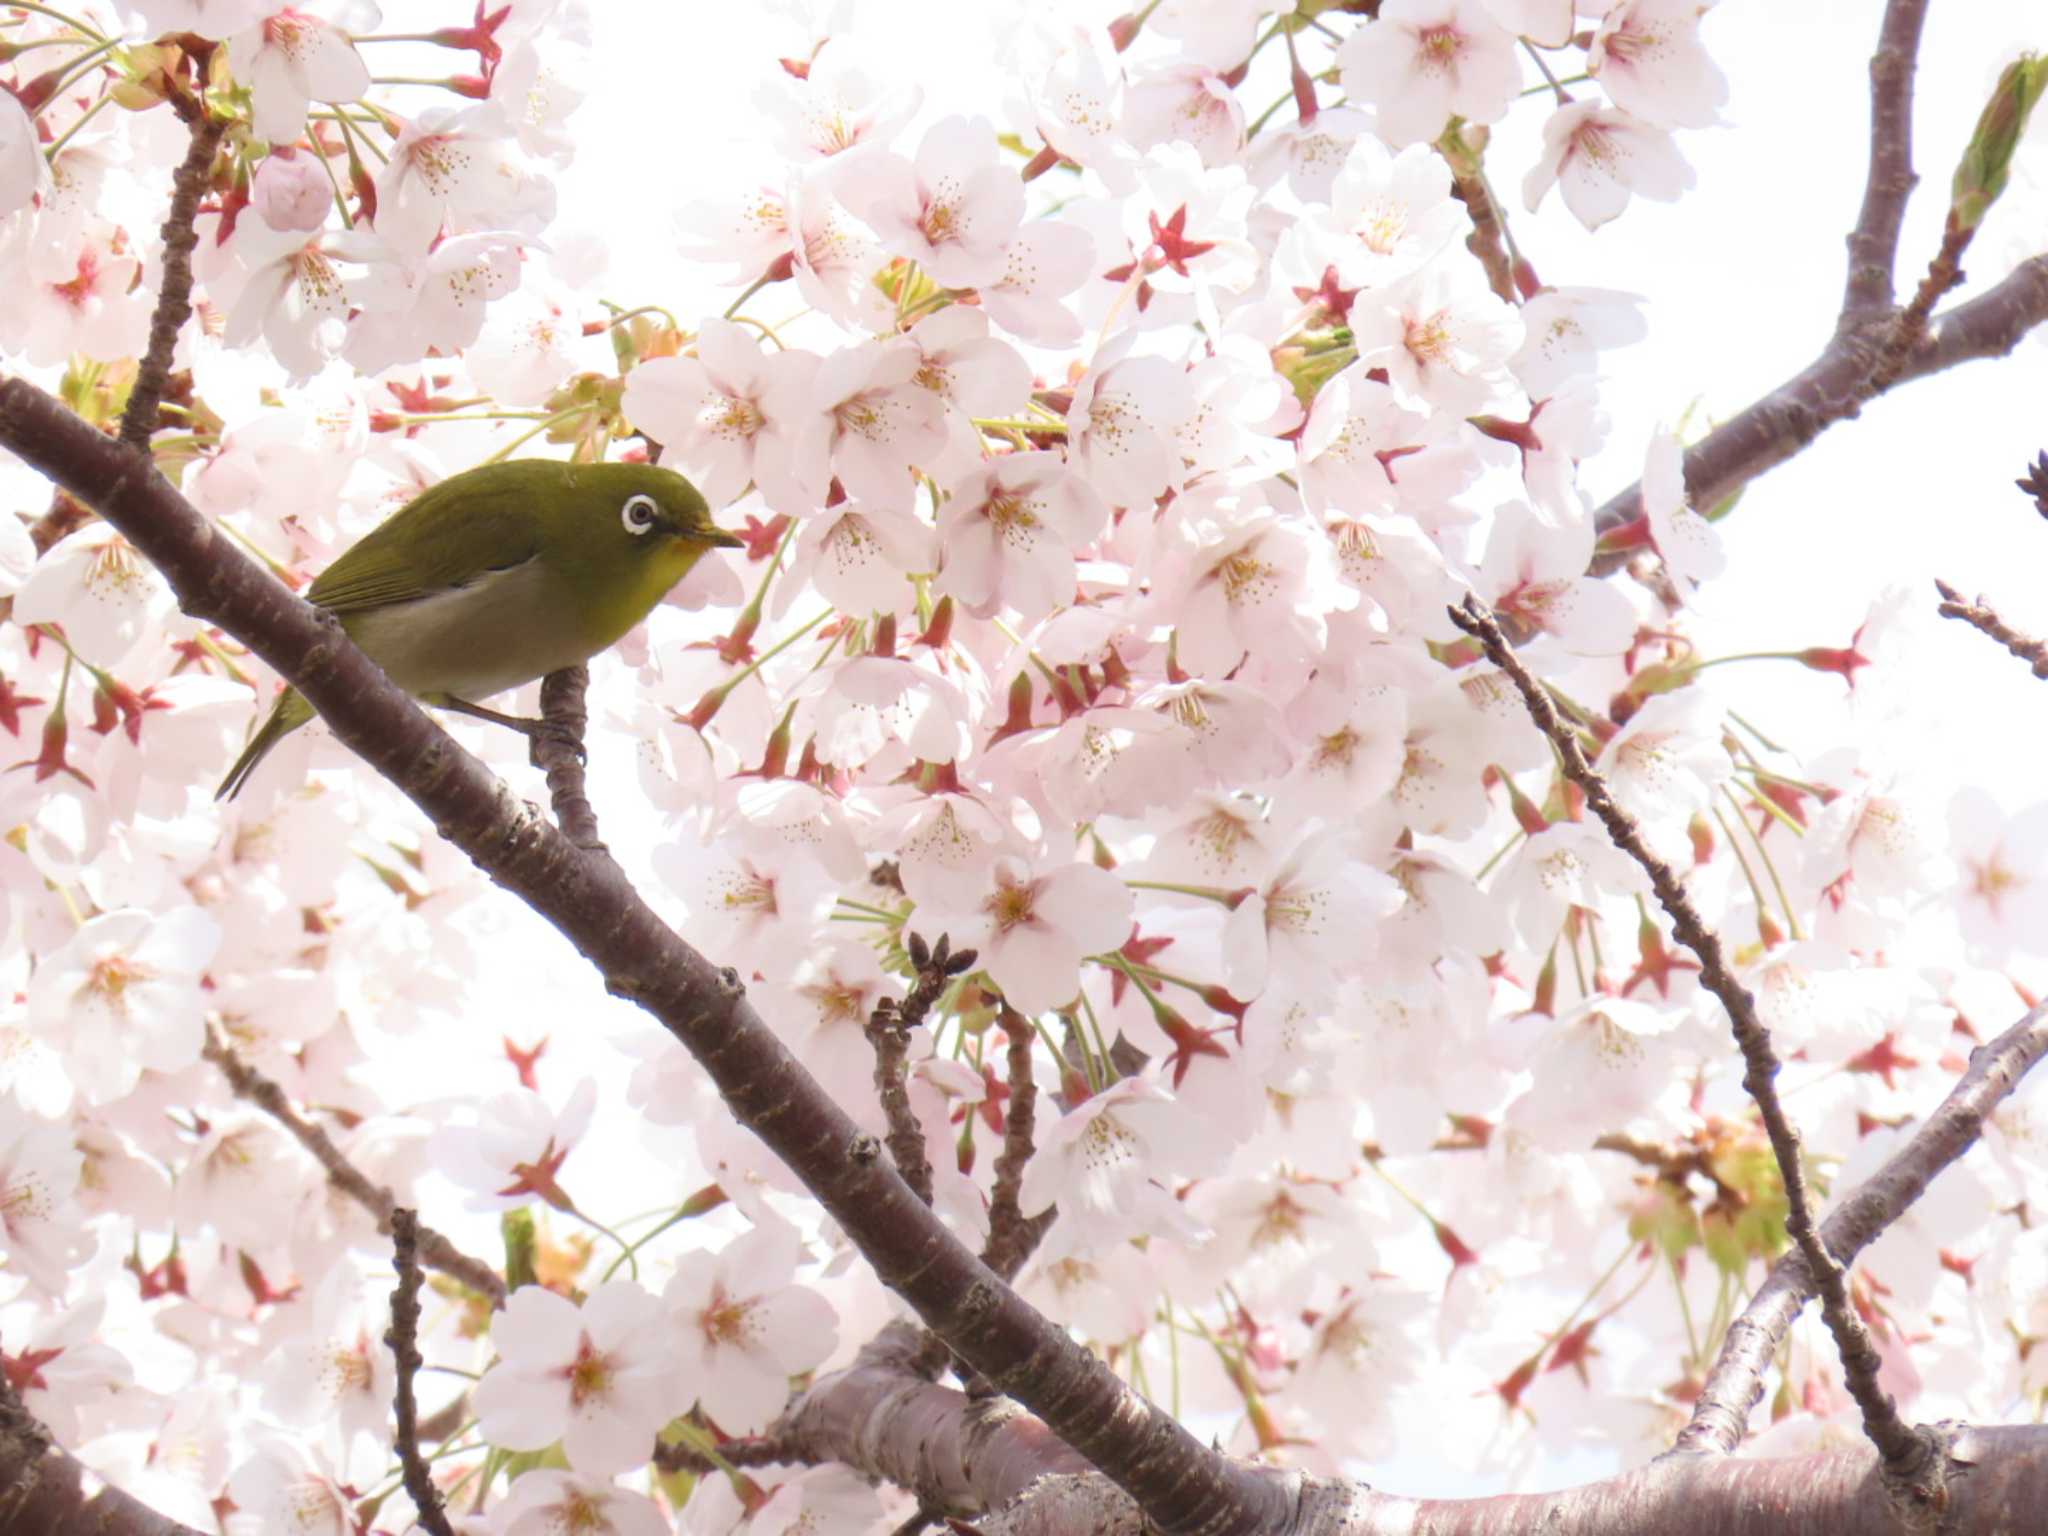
{"points": [[291, 192]]}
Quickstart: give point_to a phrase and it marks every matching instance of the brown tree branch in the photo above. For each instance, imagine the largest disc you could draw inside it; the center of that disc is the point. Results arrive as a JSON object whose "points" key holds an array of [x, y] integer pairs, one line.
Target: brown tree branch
{"points": [[1011, 1234], [43, 1486], [1910, 1456], [402, 1338], [1183, 1485], [1981, 616], [558, 753], [1875, 346], [1736, 1382], [174, 297], [435, 1250], [1874, 242]]}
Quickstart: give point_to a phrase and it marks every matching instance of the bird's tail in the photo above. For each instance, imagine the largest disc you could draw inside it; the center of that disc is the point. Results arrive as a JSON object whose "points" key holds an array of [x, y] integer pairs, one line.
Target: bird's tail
{"points": [[291, 712]]}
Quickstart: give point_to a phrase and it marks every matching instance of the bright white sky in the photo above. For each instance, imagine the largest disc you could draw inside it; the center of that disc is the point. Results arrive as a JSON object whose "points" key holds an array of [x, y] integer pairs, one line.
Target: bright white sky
{"points": [[1742, 279]]}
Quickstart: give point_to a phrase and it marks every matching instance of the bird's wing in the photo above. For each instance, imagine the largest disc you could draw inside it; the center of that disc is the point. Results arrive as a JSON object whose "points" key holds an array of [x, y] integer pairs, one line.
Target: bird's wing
{"points": [[430, 546]]}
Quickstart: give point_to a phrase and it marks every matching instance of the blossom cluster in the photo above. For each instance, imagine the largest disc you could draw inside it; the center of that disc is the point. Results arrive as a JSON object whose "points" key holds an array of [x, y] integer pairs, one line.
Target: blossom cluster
{"points": [[1103, 498]]}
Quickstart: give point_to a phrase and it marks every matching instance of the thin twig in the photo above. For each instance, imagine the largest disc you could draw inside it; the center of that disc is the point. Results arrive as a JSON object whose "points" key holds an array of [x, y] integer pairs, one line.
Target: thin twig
{"points": [[1735, 1383], [1909, 1457], [174, 299], [1011, 1234], [889, 1028], [1980, 615], [436, 1252], [558, 752], [402, 1338], [1944, 272]]}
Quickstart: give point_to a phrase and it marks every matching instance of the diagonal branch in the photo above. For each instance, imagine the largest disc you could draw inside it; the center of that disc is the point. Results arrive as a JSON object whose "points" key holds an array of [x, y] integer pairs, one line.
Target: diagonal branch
{"points": [[1182, 1485], [436, 1252], [1909, 1456], [403, 1340], [1982, 617], [1734, 1385]]}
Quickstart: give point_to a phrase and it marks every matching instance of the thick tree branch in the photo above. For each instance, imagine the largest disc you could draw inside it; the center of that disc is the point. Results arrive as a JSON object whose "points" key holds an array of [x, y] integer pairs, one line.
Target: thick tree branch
{"points": [[1736, 1382], [1874, 242], [1909, 1456], [435, 1251], [43, 1486], [1875, 346], [1182, 1485]]}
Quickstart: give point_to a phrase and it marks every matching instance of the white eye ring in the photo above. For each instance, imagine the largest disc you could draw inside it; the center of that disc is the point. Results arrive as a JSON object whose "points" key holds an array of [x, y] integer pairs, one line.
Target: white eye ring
{"points": [[638, 513]]}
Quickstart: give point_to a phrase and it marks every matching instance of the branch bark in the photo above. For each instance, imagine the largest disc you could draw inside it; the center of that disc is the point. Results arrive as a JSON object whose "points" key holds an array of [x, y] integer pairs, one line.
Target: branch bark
{"points": [[1182, 1485], [1875, 347], [1736, 1382]]}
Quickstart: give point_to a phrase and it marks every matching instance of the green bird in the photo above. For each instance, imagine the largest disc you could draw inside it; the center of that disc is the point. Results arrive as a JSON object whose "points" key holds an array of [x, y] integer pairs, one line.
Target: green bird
{"points": [[500, 575]]}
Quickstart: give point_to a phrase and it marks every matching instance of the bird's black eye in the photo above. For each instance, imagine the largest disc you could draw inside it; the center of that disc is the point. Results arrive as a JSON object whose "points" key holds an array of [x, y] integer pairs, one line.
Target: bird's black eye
{"points": [[638, 513]]}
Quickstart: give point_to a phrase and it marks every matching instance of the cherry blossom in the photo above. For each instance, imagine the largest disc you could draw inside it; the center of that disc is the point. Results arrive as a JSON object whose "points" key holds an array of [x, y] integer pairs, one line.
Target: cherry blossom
{"points": [[1422, 61], [742, 1327], [718, 413], [1647, 55], [1314, 917], [39, 1170], [953, 211], [293, 1490], [1102, 1162], [1010, 531], [600, 1378], [23, 171], [289, 60], [1599, 156], [1690, 546], [123, 995], [515, 1150], [545, 1501]]}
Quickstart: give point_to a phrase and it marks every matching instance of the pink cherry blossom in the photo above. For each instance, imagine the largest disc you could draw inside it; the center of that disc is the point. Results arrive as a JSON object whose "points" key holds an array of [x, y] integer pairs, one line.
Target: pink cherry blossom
{"points": [[1689, 545], [716, 415], [23, 171], [1120, 424], [1313, 917], [859, 556], [1423, 61], [99, 587], [1535, 572], [1102, 1162], [1032, 929], [1391, 213], [1041, 266], [881, 423], [293, 1490], [290, 60], [124, 995], [953, 211], [742, 1326], [1599, 156], [1010, 532], [2003, 863], [1442, 336], [449, 167], [601, 1378], [514, 1151], [548, 1502], [838, 107], [1647, 54], [437, 303], [39, 1214], [1565, 330], [1188, 104]]}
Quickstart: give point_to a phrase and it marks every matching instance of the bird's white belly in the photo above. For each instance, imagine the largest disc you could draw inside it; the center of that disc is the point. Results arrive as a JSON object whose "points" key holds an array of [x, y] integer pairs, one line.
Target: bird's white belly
{"points": [[503, 629]]}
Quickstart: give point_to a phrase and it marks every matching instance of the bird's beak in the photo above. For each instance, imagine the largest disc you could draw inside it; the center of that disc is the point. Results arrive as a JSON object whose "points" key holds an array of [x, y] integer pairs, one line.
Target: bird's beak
{"points": [[724, 540]]}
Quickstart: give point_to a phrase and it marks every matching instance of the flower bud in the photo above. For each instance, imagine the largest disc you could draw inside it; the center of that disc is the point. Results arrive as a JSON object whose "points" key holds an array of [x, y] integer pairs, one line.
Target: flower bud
{"points": [[291, 192], [1987, 160]]}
